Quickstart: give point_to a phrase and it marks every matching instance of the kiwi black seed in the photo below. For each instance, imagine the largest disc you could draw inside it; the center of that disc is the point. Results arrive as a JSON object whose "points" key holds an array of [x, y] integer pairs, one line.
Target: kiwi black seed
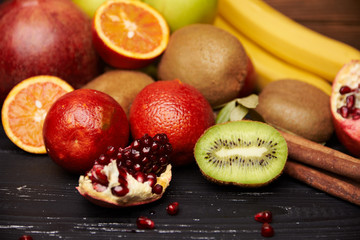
{"points": [[245, 153]]}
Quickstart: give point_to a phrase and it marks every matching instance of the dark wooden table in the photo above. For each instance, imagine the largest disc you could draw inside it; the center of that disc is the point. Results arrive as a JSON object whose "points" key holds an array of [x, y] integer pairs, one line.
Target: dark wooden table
{"points": [[38, 198]]}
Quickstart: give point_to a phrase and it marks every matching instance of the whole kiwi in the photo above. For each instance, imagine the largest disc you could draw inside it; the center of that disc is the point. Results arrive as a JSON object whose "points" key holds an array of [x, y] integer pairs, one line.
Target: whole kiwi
{"points": [[208, 58], [297, 107], [122, 85]]}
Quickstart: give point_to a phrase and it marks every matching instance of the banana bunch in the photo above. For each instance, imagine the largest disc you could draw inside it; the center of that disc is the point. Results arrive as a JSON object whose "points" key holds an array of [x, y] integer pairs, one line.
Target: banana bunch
{"points": [[281, 47], [270, 68]]}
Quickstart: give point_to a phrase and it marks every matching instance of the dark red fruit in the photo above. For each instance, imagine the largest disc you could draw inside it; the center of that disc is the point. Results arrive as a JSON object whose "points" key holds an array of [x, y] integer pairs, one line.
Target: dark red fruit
{"points": [[267, 230], [173, 208], [45, 37], [263, 217], [25, 237], [145, 223]]}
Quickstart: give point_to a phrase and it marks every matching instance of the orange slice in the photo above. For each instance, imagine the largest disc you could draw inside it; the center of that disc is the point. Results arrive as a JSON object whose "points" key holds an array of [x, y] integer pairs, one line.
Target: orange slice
{"points": [[129, 34], [25, 109]]}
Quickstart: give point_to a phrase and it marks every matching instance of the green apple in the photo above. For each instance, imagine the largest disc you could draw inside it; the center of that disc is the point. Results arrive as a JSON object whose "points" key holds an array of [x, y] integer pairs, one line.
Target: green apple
{"points": [[88, 6], [179, 13]]}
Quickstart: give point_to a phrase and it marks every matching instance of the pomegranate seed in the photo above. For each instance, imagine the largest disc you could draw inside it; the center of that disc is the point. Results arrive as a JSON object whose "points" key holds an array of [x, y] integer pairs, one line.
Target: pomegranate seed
{"points": [[119, 190], [350, 101], [97, 175], [103, 160], [343, 111], [145, 223], [173, 208], [344, 90], [110, 151], [157, 189], [140, 177], [264, 216], [25, 237], [267, 230], [136, 144]]}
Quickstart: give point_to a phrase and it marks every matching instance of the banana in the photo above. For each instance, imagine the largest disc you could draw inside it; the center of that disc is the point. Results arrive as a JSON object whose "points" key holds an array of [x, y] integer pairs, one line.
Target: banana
{"points": [[269, 68], [286, 38]]}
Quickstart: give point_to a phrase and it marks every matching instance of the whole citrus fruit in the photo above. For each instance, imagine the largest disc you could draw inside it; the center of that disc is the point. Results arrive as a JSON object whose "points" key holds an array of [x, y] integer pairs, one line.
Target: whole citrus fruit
{"points": [[81, 125], [176, 109]]}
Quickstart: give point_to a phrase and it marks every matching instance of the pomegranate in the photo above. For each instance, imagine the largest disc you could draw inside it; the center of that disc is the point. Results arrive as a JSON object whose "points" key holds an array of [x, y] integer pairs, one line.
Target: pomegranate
{"points": [[173, 208], [264, 216], [145, 223], [345, 106], [267, 230], [129, 176], [45, 37]]}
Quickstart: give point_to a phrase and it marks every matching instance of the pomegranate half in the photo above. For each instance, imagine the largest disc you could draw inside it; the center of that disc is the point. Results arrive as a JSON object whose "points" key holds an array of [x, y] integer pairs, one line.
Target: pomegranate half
{"points": [[345, 106], [135, 175]]}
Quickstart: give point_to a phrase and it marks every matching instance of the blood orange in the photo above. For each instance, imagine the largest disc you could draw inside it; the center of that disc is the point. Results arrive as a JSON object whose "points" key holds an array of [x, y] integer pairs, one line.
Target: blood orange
{"points": [[129, 34], [176, 109], [25, 108]]}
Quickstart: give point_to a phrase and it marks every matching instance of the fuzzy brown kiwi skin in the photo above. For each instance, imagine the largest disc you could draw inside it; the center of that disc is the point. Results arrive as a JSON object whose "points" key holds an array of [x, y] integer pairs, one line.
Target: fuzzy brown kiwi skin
{"points": [[297, 107], [122, 85], [208, 58]]}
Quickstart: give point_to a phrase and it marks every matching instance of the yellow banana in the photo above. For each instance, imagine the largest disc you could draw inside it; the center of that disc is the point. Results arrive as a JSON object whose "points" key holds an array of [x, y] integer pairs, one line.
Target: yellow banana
{"points": [[286, 38], [269, 68]]}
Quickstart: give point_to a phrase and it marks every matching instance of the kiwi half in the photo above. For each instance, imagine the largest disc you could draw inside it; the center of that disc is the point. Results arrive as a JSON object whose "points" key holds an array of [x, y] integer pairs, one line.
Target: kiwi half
{"points": [[245, 153]]}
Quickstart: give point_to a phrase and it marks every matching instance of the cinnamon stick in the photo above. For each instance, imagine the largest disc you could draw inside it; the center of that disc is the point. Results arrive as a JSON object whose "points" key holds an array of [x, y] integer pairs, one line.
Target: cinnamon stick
{"points": [[330, 183], [320, 156]]}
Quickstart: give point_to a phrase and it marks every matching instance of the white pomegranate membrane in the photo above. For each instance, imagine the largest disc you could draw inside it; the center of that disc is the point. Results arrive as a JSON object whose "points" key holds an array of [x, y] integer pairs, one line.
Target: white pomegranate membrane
{"points": [[129, 176], [348, 104]]}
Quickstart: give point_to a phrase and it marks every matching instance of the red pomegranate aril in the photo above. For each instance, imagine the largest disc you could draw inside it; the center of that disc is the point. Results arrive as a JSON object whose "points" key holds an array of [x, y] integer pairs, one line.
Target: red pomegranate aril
{"points": [[136, 144], [157, 189], [267, 230], [25, 237], [145, 223], [110, 151], [140, 177], [343, 111], [264, 216], [97, 175], [122, 181], [119, 190], [151, 182], [356, 114], [344, 90], [172, 208], [350, 101], [103, 160]]}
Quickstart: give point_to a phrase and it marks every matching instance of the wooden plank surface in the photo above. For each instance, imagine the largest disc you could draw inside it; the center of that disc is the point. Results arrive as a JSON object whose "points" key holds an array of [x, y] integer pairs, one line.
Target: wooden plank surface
{"points": [[39, 198]]}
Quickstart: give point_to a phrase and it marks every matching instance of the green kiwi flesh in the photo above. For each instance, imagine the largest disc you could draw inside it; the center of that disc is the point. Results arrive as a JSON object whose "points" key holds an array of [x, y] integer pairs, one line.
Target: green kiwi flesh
{"points": [[245, 153]]}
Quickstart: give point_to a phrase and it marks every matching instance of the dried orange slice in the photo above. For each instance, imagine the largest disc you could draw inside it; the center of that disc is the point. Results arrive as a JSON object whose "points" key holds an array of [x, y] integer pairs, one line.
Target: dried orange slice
{"points": [[129, 34], [25, 108]]}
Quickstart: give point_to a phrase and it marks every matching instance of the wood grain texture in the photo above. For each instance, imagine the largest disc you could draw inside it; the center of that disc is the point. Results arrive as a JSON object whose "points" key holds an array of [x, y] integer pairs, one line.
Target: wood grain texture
{"points": [[38, 198]]}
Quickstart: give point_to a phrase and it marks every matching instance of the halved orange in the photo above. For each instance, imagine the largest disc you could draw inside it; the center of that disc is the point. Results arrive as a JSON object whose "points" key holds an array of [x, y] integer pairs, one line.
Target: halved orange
{"points": [[129, 34], [25, 108]]}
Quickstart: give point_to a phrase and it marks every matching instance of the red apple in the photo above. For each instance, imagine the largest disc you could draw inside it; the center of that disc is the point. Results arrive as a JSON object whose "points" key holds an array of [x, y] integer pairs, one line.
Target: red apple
{"points": [[345, 106], [45, 37]]}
